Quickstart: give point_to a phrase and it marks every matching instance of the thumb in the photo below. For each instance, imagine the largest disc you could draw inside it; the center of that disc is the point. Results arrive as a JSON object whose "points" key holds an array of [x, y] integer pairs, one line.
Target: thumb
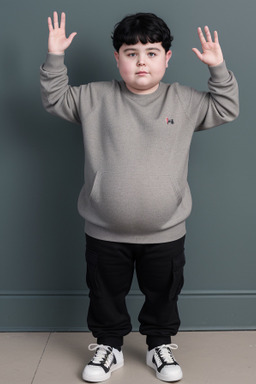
{"points": [[71, 37], [198, 53]]}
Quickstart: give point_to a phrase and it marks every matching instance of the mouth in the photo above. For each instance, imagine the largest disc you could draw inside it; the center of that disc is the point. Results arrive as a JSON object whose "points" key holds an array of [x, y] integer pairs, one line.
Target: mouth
{"points": [[141, 73]]}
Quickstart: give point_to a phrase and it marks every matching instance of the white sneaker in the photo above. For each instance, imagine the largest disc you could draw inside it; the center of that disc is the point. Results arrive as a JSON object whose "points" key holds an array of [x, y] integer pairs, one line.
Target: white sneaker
{"points": [[104, 362], [162, 361]]}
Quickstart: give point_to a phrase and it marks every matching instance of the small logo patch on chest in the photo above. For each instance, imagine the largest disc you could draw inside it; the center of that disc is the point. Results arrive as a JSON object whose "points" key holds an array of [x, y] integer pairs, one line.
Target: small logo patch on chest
{"points": [[169, 121]]}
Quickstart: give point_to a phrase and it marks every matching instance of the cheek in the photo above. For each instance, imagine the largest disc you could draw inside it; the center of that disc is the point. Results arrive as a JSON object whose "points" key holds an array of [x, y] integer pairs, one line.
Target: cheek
{"points": [[125, 68], [161, 68]]}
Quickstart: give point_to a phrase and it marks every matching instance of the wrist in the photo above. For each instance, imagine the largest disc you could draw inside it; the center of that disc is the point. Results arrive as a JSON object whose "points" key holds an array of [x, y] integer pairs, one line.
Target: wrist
{"points": [[56, 52], [216, 64]]}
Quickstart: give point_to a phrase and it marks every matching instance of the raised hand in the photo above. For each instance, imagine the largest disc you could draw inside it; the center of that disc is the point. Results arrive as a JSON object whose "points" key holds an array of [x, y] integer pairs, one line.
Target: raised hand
{"points": [[212, 53], [57, 41]]}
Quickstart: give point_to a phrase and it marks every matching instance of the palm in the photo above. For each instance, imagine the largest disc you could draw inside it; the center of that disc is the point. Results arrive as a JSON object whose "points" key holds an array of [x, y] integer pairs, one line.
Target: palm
{"points": [[58, 42], [211, 50]]}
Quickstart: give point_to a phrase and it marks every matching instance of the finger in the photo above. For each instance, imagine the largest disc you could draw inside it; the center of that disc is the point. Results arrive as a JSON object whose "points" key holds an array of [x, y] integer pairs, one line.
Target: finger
{"points": [[55, 20], [63, 20], [208, 34], [201, 35], [50, 27], [216, 38]]}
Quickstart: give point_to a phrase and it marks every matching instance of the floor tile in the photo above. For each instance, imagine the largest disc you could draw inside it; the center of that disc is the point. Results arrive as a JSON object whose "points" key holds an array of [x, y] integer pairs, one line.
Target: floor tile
{"points": [[64, 359], [217, 357], [20, 354]]}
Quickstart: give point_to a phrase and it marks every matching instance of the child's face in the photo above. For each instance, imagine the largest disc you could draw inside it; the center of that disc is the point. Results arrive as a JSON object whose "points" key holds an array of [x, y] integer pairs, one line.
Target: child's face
{"points": [[142, 66]]}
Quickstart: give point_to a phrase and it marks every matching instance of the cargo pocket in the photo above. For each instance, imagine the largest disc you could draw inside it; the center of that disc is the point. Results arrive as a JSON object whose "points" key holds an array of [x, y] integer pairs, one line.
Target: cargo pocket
{"points": [[177, 275]]}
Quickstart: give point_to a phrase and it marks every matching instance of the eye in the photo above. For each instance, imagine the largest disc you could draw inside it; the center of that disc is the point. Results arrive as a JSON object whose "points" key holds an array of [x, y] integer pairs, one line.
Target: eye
{"points": [[152, 54], [131, 54]]}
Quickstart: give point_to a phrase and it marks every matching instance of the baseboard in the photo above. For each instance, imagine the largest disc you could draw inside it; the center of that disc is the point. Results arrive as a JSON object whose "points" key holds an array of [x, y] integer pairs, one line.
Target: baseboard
{"points": [[61, 311]]}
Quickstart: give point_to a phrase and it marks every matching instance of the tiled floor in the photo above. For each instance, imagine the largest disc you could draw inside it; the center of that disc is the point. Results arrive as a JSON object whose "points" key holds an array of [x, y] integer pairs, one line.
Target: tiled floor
{"points": [[59, 358]]}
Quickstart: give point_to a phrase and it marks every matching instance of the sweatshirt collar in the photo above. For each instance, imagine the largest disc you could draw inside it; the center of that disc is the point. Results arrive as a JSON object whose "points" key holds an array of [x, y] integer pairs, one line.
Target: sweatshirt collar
{"points": [[146, 98]]}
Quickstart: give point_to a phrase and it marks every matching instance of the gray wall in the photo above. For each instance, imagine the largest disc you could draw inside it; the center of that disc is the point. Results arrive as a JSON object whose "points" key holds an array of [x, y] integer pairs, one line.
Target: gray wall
{"points": [[42, 271]]}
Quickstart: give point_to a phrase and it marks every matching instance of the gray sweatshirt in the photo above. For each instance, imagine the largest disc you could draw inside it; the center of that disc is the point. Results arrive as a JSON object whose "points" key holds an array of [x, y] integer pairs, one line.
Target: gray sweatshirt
{"points": [[137, 149]]}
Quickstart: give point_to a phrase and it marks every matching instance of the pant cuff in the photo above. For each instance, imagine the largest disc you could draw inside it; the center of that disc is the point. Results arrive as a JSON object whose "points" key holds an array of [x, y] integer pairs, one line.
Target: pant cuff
{"points": [[114, 342], [156, 341]]}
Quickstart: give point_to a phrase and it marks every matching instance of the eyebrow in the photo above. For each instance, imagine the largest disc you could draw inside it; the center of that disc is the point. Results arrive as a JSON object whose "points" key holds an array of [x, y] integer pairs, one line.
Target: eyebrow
{"points": [[147, 49]]}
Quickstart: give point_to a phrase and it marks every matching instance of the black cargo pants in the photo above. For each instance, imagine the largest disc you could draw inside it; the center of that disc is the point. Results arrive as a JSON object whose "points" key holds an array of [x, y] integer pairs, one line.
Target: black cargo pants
{"points": [[110, 269]]}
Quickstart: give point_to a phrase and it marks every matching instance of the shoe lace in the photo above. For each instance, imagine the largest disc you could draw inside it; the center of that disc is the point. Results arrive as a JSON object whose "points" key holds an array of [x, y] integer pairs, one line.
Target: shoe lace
{"points": [[103, 354], [165, 352]]}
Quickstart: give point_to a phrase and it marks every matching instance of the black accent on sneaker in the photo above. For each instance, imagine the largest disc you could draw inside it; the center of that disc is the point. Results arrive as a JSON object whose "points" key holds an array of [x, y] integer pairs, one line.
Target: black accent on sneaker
{"points": [[103, 359]]}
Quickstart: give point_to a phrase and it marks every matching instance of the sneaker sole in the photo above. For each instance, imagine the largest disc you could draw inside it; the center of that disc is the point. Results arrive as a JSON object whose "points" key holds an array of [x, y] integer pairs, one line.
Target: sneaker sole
{"points": [[104, 376], [163, 377]]}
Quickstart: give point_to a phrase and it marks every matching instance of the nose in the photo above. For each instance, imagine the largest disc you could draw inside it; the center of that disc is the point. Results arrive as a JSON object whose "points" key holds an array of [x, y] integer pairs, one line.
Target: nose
{"points": [[140, 61]]}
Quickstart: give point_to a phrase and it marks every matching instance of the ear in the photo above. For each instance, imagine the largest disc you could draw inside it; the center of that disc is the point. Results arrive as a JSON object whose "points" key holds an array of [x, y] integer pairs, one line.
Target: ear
{"points": [[167, 57], [116, 54]]}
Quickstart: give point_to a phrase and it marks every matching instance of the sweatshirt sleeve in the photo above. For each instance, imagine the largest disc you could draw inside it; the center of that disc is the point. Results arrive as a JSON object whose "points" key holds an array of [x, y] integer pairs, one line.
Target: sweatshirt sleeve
{"points": [[58, 97], [219, 105]]}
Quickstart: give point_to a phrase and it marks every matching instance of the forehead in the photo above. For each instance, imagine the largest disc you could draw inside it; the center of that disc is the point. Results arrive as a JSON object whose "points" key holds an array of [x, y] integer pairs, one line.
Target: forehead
{"points": [[142, 47]]}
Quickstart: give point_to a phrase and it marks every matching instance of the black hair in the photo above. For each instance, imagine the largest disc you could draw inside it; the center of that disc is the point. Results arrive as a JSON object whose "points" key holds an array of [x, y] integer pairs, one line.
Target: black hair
{"points": [[143, 27]]}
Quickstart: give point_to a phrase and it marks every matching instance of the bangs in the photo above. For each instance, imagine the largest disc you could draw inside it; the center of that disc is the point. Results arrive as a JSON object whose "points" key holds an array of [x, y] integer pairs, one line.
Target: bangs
{"points": [[142, 35]]}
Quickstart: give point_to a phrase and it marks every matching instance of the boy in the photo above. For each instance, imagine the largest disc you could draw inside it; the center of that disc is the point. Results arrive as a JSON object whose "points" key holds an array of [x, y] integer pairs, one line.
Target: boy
{"points": [[135, 200]]}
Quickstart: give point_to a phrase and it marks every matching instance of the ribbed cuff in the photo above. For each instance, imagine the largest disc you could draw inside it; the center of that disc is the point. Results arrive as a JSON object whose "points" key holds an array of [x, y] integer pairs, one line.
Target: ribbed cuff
{"points": [[219, 73], [54, 63]]}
